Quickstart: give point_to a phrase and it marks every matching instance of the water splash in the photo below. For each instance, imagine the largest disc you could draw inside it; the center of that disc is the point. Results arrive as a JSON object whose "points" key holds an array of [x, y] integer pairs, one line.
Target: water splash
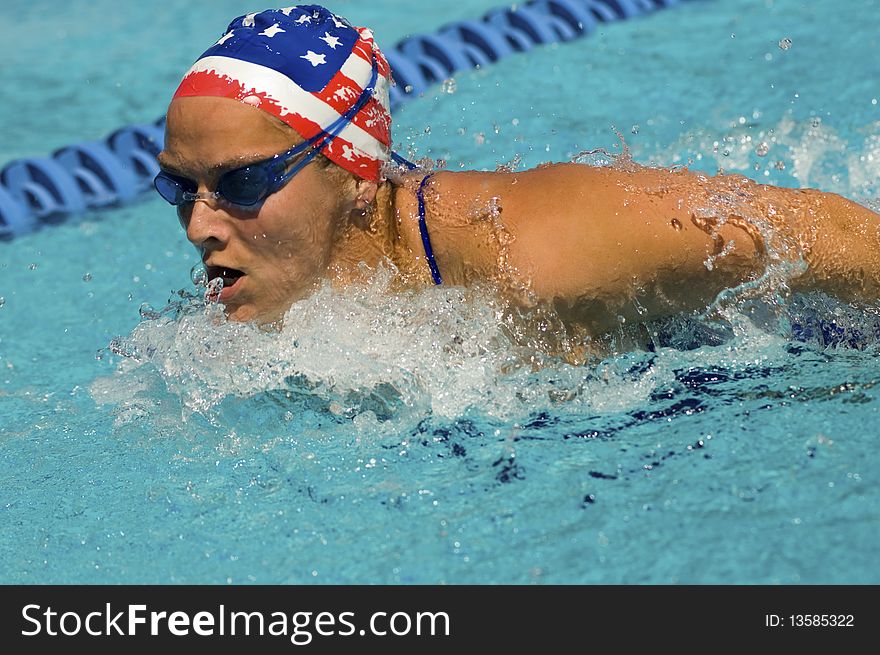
{"points": [[386, 360], [806, 153]]}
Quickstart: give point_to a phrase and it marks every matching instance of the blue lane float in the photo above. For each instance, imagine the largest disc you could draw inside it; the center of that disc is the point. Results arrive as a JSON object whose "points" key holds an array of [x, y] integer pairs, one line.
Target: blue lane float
{"points": [[35, 192]]}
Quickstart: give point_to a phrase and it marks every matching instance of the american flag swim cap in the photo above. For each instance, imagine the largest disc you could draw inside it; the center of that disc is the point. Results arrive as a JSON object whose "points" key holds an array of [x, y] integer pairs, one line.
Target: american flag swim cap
{"points": [[306, 66]]}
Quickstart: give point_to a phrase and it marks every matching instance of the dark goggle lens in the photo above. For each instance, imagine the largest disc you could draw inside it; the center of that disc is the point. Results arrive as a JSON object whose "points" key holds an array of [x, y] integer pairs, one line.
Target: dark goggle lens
{"points": [[245, 186], [172, 188]]}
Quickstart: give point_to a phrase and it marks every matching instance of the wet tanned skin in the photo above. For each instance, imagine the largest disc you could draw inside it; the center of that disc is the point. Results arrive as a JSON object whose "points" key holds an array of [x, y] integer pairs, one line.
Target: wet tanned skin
{"points": [[591, 240], [595, 243]]}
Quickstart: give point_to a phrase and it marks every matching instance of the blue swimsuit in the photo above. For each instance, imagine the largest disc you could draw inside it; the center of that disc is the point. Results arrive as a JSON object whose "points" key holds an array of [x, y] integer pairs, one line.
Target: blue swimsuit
{"points": [[423, 226], [423, 230]]}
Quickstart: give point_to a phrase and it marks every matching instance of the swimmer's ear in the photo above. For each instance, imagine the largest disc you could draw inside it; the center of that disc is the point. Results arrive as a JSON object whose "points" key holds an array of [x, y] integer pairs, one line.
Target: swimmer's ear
{"points": [[366, 193], [361, 214]]}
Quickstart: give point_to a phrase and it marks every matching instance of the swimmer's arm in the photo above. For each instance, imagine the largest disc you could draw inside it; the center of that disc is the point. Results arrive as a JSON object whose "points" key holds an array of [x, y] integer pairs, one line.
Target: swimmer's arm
{"points": [[604, 244], [841, 241]]}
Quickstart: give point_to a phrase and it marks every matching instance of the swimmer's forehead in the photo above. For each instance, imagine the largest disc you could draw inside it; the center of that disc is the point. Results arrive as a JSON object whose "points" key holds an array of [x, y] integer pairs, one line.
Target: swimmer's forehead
{"points": [[175, 163], [210, 135]]}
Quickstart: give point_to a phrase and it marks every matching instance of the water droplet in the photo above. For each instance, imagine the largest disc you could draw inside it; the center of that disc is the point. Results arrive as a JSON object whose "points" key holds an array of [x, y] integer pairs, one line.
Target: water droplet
{"points": [[2, 301], [32, 267], [785, 44], [408, 88], [212, 292], [87, 277], [733, 35], [676, 224], [147, 312], [762, 149], [779, 165], [634, 129], [449, 85], [199, 274], [427, 129]]}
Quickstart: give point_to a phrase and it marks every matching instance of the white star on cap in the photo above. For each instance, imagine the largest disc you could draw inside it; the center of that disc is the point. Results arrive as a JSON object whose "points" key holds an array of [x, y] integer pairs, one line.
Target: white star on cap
{"points": [[272, 31], [337, 22], [332, 41], [225, 38], [286, 11], [304, 19], [248, 21], [314, 58]]}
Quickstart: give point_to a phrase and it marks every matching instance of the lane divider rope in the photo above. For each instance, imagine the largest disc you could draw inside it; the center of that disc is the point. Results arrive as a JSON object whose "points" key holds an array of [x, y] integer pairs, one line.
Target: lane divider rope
{"points": [[36, 192]]}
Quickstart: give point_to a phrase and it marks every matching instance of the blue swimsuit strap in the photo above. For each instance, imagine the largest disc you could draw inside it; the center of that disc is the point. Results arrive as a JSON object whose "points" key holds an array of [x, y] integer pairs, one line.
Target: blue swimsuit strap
{"points": [[423, 225], [423, 230]]}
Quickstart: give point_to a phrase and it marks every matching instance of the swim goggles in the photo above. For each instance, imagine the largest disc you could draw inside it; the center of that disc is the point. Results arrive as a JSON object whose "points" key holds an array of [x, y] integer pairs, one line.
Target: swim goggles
{"points": [[251, 184]]}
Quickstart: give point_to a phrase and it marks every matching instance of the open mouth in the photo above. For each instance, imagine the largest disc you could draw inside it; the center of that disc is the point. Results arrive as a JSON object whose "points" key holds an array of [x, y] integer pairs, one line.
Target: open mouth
{"points": [[230, 277]]}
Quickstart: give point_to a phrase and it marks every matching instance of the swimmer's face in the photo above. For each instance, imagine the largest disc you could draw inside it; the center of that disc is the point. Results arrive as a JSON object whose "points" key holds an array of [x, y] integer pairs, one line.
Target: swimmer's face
{"points": [[270, 254]]}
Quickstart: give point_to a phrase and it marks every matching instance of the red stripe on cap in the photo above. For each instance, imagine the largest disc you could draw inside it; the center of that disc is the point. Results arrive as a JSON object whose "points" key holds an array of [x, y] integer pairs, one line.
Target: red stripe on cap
{"points": [[342, 92]]}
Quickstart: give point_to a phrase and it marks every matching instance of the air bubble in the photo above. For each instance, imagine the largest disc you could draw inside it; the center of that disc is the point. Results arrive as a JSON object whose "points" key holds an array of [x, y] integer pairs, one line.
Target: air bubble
{"points": [[2, 301], [784, 44], [32, 267], [762, 149], [449, 85], [779, 165], [634, 129], [87, 277]]}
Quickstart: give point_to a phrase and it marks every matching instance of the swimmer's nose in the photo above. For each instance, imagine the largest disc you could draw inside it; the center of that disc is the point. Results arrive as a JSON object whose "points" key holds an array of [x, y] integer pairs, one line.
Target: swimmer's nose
{"points": [[205, 224]]}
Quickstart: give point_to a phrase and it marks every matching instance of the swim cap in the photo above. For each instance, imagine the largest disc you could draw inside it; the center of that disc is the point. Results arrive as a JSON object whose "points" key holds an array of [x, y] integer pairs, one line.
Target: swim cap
{"points": [[307, 67]]}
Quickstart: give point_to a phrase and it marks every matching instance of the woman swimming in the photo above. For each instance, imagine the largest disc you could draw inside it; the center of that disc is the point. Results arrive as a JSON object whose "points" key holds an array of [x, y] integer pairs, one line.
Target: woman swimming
{"points": [[277, 156]]}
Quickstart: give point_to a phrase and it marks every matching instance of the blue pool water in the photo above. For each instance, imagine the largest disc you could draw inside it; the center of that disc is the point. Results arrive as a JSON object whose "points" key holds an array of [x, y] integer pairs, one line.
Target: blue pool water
{"points": [[407, 437]]}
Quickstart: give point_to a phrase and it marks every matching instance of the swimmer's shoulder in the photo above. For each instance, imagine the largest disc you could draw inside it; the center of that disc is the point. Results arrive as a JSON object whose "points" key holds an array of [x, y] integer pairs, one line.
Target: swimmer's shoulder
{"points": [[461, 187]]}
